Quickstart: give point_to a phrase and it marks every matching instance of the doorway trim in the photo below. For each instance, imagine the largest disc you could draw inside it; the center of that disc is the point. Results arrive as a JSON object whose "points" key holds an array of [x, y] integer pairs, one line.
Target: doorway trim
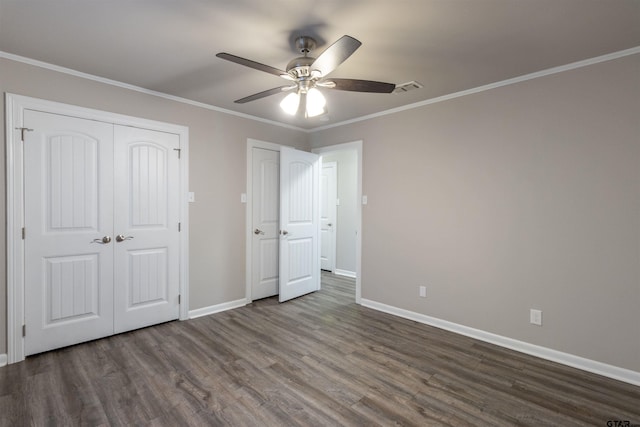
{"points": [[357, 146], [15, 105], [251, 144]]}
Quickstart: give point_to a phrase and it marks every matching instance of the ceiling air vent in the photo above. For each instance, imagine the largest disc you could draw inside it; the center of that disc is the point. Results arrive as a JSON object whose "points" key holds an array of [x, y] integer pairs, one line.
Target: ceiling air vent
{"points": [[406, 87]]}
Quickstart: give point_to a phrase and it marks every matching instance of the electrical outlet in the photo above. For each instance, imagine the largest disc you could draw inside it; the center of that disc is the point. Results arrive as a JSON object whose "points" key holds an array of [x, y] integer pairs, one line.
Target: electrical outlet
{"points": [[535, 317], [423, 291]]}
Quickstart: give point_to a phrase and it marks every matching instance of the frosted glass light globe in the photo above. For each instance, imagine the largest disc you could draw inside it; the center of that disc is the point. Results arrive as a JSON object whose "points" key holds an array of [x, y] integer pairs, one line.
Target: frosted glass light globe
{"points": [[315, 103], [290, 103]]}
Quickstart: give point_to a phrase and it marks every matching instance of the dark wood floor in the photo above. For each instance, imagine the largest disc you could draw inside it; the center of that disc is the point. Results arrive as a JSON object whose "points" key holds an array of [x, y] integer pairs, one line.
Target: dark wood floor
{"points": [[317, 360]]}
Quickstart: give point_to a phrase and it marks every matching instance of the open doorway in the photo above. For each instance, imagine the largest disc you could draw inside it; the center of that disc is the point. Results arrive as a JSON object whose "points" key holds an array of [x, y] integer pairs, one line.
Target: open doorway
{"points": [[339, 201], [263, 266], [341, 214]]}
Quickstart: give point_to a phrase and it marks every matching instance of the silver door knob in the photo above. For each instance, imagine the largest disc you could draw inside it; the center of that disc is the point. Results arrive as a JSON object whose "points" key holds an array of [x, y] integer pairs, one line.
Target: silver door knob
{"points": [[329, 225], [122, 238], [258, 231], [284, 232], [103, 241]]}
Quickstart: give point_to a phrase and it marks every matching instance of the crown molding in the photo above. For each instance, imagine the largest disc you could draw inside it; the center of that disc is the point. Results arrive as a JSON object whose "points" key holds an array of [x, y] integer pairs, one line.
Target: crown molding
{"points": [[116, 83], [515, 80]]}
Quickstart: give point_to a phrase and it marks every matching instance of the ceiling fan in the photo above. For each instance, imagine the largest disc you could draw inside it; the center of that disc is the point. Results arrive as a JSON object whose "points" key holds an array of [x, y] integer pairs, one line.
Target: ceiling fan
{"points": [[307, 74]]}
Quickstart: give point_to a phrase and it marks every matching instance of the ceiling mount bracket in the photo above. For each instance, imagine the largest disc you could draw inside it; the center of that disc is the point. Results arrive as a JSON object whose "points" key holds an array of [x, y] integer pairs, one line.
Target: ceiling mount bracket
{"points": [[305, 44]]}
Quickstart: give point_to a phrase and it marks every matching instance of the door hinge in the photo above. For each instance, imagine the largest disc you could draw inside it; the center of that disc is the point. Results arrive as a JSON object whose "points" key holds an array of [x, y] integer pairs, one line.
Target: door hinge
{"points": [[22, 132], [179, 299], [24, 330], [179, 226], [24, 233], [179, 150]]}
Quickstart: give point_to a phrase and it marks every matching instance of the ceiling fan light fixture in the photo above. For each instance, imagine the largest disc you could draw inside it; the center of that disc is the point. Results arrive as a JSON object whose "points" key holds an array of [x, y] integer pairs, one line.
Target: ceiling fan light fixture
{"points": [[315, 103], [312, 101], [290, 103]]}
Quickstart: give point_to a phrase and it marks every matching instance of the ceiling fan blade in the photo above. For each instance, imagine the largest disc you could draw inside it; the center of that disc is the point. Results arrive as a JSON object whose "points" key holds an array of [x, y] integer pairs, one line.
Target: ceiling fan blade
{"points": [[335, 55], [253, 64], [354, 85], [264, 94]]}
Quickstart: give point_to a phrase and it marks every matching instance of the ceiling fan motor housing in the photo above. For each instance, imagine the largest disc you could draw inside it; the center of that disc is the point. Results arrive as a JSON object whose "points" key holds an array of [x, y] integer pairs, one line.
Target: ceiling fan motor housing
{"points": [[300, 67]]}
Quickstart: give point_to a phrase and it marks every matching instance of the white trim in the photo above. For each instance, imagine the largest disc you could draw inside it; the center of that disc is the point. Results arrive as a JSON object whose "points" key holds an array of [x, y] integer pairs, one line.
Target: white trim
{"points": [[519, 79], [14, 113], [213, 309], [334, 238], [14, 212], [345, 273], [3, 360], [357, 146], [251, 144], [184, 223], [116, 83], [610, 371]]}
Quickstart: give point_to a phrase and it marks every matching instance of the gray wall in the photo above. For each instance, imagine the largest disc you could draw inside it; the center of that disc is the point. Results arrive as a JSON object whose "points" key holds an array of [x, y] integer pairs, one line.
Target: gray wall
{"points": [[347, 162], [217, 173], [524, 196]]}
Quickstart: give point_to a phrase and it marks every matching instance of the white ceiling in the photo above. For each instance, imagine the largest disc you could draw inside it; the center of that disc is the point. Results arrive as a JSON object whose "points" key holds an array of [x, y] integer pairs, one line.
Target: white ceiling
{"points": [[169, 46]]}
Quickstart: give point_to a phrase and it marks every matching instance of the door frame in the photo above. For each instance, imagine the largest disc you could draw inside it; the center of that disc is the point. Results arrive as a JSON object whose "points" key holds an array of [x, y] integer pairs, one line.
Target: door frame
{"points": [[251, 144], [357, 146], [14, 113]]}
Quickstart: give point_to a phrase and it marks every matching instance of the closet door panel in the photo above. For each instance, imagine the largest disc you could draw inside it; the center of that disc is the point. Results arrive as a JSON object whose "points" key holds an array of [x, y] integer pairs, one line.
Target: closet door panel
{"points": [[146, 225], [68, 176]]}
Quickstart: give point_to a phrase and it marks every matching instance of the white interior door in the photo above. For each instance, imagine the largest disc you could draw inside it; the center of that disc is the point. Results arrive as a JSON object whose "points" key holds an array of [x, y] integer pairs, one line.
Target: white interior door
{"points": [[68, 204], [299, 223], [147, 239], [265, 206], [328, 215]]}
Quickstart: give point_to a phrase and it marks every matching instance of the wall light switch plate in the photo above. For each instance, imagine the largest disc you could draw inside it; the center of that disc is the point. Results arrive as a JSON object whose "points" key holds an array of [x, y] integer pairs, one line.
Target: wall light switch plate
{"points": [[192, 197], [243, 198], [535, 317], [364, 200]]}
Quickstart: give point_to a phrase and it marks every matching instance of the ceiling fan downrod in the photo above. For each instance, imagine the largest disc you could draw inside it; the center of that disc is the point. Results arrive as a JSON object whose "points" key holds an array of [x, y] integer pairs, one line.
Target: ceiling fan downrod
{"points": [[305, 44]]}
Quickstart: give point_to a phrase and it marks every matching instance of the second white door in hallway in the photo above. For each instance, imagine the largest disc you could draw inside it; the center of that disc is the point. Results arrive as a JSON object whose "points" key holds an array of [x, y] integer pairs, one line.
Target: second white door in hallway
{"points": [[328, 215]]}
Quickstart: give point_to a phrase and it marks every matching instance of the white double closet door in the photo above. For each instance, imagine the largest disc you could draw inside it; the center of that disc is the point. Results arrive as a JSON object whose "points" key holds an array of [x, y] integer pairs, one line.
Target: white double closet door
{"points": [[101, 229]]}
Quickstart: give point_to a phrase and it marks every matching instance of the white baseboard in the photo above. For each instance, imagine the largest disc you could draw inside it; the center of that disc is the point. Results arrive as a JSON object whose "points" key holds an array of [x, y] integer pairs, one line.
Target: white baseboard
{"points": [[346, 273], [212, 309], [610, 371], [3, 359]]}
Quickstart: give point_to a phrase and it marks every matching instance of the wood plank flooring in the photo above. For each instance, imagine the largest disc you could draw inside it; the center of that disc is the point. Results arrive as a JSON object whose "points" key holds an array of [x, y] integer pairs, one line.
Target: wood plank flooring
{"points": [[319, 360]]}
